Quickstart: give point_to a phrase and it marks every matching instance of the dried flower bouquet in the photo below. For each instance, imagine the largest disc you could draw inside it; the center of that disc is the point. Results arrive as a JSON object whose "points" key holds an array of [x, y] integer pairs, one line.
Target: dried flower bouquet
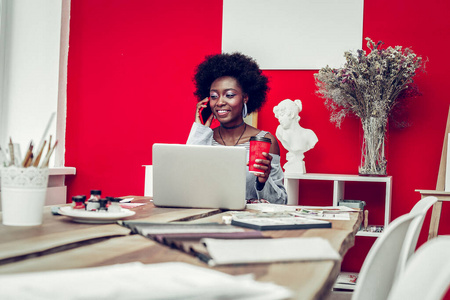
{"points": [[369, 86]]}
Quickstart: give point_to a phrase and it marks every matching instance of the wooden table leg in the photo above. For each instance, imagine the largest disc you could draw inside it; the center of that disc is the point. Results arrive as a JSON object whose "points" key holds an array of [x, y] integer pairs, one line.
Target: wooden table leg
{"points": [[435, 217]]}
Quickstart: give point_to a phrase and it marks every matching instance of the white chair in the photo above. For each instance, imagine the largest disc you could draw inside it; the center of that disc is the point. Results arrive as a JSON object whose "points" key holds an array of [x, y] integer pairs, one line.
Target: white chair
{"points": [[422, 207], [411, 237], [427, 273], [380, 266]]}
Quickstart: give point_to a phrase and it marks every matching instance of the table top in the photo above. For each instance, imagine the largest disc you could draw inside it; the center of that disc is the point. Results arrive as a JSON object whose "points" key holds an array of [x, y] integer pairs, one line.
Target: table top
{"points": [[59, 244]]}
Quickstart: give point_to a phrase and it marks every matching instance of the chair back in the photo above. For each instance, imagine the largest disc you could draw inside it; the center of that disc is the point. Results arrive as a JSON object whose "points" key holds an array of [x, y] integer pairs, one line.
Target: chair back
{"points": [[380, 266], [427, 273], [412, 236]]}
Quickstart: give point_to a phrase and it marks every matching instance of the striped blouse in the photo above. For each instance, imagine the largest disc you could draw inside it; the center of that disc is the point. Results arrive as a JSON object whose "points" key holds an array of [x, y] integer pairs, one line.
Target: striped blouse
{"points": [[246, 144]]}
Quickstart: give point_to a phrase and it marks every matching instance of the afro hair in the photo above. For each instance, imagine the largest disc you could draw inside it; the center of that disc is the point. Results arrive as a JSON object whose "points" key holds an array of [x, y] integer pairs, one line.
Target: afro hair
{"points": [[239, 66]]}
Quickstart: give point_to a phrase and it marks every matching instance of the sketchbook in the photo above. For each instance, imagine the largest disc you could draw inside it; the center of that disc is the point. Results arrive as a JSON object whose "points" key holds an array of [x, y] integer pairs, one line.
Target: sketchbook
{"points": [[223, 252], [276, 221], [187, 237]]}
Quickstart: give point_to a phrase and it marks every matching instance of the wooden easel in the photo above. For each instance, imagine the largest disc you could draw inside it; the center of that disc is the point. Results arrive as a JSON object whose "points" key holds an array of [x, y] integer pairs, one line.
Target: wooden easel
{"points": [[439, 193]]}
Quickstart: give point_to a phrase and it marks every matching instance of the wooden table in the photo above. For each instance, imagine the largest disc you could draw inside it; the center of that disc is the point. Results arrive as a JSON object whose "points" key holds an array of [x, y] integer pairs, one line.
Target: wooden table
{"points": [[60, 243]]}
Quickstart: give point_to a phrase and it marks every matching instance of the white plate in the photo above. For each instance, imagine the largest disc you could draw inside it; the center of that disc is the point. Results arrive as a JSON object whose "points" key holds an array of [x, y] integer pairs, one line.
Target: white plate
{"points": [[83, 216]]}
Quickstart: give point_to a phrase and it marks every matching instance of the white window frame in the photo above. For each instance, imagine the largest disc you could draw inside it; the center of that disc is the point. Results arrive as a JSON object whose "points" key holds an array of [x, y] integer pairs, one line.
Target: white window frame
{"points": [[61, 86], [2, 55]]}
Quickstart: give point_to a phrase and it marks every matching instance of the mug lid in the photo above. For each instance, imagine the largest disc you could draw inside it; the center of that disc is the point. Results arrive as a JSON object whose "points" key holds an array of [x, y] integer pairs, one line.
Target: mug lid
{"points": [[260, 139]]}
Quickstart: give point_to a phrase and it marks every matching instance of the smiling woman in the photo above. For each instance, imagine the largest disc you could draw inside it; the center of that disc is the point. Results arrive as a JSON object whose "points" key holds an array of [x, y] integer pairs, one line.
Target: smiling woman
{"points": [[232, 85]]}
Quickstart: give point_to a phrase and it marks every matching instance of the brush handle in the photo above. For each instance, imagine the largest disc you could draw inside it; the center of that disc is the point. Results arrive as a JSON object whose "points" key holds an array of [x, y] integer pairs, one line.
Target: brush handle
{"points": [[366, 219]]}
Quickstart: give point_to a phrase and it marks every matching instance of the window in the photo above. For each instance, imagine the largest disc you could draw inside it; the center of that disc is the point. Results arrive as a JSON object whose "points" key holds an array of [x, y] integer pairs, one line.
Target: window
{"points": [[33, 63]]}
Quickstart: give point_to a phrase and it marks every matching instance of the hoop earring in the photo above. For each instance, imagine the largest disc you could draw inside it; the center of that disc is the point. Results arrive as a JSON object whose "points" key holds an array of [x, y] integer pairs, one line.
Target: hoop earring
{"points": [[244, 110]]}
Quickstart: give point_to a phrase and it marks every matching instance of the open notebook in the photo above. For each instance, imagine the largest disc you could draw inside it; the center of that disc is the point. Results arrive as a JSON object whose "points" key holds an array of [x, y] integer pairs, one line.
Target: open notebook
{"points": [[199, 176]]}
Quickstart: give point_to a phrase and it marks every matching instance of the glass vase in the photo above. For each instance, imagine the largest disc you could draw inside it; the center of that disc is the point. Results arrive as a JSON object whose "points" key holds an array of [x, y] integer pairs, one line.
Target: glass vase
{"points": [[373, 154]]}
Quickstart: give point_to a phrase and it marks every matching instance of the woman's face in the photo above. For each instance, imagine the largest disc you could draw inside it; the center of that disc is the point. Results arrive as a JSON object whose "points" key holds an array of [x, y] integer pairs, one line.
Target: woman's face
{"points": [[284, 116], [227, 100]]}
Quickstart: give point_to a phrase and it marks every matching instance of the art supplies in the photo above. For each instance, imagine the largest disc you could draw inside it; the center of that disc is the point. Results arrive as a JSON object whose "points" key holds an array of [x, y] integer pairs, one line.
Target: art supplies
{"points": [[28, 156], [49, 123], [38, 157], [93, 203], [32, 156], [49, 154], [24, 183], [11, 152], [96, 209], [78, 202], [3, 158]]}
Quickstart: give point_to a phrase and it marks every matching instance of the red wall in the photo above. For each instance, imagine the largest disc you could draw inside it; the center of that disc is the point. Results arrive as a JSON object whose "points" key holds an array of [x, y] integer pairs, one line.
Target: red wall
{"points": [[130, 85]]}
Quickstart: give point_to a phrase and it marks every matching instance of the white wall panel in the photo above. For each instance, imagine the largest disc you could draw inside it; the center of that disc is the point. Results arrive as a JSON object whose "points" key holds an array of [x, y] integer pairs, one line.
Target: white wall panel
{"points": [[293, 34]]}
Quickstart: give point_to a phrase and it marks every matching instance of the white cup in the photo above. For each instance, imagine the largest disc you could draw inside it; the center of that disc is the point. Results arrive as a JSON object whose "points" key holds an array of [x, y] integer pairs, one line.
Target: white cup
{"points": [[23, 195]]}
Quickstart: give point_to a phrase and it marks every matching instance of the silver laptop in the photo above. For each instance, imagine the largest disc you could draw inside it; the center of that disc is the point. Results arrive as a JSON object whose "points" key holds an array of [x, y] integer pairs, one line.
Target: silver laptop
{"points": [[199, 176]]}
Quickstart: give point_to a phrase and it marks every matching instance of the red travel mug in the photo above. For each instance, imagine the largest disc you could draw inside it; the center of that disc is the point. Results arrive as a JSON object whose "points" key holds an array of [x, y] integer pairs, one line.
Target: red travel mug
{"points": [[258, 145]]}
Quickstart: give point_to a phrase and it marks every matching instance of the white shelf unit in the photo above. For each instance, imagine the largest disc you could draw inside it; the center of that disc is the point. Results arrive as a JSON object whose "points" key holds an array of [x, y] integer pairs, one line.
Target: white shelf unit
{"points": [[291, 182], [57, 189]]}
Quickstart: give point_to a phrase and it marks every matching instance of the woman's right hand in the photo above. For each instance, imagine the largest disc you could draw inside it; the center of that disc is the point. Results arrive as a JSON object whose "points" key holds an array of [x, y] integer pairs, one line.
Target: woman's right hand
{"points": [[200, 105]]}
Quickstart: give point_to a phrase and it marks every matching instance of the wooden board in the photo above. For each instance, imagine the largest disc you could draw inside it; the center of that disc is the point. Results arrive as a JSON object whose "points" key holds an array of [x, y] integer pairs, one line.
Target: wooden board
{"points": [[440, 185]]}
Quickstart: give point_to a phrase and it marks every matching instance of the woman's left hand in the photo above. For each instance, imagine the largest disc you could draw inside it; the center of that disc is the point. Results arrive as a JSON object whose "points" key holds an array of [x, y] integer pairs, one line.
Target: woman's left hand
{"points": [[264, 165]]}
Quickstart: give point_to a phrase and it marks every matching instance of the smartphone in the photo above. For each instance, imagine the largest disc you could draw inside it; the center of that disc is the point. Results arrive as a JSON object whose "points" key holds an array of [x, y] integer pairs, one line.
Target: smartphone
{"points": [[205, 113]]}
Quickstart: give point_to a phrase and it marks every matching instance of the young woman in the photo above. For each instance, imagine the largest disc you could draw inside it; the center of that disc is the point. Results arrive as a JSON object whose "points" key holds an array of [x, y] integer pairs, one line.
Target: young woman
{"points": [[232, 85]]}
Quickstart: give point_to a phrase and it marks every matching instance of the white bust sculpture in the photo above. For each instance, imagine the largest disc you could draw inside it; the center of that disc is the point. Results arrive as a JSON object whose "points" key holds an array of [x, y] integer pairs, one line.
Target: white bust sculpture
{"points": [[294, 138]]}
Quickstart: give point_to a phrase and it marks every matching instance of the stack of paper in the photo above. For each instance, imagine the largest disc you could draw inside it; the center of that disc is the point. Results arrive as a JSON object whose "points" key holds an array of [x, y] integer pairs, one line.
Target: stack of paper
{"points": [[346, 281], [138, 281]]}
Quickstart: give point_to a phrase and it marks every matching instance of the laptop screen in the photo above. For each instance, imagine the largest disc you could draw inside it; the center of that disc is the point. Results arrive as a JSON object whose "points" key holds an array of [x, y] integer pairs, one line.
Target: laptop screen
{"points": [[199, 176]]}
